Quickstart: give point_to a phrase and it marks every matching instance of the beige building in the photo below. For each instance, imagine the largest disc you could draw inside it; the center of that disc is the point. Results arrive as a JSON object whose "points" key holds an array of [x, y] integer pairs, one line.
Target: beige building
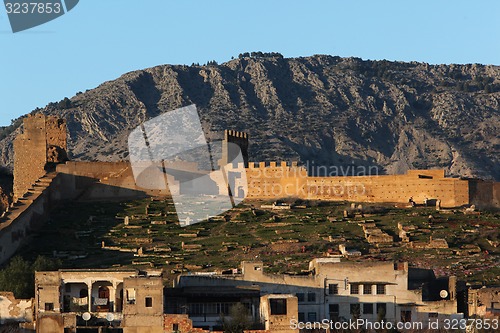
{"points": [[484, 302], [339, 291], [68, 301]]}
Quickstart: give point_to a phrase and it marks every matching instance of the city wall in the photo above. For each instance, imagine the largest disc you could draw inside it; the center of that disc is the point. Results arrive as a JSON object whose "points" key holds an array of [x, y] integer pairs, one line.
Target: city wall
{"points": [[26, 216], [281, 180], [101, 181]]}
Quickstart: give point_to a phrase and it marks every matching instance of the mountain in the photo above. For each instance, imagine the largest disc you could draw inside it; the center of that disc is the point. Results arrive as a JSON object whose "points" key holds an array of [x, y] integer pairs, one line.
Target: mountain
{"points": [[330, 110]]}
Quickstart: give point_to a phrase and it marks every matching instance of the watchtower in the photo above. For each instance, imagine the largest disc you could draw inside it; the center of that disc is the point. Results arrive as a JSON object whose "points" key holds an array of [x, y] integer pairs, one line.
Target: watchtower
{"points": [[238, 138], [41, 145]]}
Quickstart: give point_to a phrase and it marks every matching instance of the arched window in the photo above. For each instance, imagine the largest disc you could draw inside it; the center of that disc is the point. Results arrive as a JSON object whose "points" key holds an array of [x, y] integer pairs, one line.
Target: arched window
{"points": [[103, 292], [84, 293]]}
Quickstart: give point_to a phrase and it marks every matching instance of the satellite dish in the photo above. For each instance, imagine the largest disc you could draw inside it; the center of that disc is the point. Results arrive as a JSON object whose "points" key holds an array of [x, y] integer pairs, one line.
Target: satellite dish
{"points": [[86, 316], [443, 293], [110, 317]]}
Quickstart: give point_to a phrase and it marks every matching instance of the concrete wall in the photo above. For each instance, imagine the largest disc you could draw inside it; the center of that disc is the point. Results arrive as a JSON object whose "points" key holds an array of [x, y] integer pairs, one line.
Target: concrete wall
{"points": [[279, 323], [484, 302], [15, 310], [139, 316]]}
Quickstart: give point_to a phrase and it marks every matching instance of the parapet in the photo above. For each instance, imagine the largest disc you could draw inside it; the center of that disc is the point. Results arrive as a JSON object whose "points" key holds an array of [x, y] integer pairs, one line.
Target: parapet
{"points": [[273, 164], [235, 134], [434, 173]]}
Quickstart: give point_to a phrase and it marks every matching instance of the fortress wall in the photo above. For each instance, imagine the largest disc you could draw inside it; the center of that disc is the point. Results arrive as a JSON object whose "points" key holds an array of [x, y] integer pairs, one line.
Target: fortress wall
{"points": [[26, 215], [31, 149], [485, 194], [26, 173], [30, 153], [103, 180], [389, 189], [396, 188], [56, 132], [274, 181]]}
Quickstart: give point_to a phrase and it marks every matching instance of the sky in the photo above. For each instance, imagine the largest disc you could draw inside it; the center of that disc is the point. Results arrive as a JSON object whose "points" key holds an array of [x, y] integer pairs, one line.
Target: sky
{"points": [[99, 40]]}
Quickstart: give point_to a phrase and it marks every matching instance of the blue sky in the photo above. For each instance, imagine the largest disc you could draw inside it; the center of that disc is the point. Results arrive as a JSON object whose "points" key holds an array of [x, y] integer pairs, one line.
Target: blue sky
{"points": [[101, 39]]}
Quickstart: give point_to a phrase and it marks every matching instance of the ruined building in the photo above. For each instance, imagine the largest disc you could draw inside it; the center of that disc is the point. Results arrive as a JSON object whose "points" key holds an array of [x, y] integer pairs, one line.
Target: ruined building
{"points": [[41, 145], [238, 138]]}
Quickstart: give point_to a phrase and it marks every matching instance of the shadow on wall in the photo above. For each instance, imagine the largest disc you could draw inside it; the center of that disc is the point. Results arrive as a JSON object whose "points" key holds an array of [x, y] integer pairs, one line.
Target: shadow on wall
{"points": [[29, 214]]}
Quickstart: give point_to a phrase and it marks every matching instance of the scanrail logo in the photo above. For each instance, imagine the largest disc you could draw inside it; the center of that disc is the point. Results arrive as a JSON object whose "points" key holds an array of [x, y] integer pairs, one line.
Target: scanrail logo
{"points": [[170, 153], [27, 14]]}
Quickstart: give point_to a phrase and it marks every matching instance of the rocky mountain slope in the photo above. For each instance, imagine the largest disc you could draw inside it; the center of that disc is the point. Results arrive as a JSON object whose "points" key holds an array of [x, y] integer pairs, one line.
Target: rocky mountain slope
{"points": [[326, 110]]}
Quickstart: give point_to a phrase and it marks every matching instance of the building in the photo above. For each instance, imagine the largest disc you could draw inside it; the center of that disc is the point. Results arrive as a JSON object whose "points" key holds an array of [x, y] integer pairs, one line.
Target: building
{"points": [[130, 301], [72, 301], [484, 302], [336, 291]]}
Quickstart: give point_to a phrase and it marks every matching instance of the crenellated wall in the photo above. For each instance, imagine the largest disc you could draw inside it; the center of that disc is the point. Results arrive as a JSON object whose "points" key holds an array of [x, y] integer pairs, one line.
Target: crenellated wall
{"points": [[279, 180]]}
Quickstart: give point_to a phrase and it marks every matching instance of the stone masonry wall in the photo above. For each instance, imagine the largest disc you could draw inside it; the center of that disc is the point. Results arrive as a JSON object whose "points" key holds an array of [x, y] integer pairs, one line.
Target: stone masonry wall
{"points": [[41, 135]]}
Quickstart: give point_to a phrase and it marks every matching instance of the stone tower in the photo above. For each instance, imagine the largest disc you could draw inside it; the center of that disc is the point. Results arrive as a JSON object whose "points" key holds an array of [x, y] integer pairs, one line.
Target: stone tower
{"points": [[41, 145], [238, 138]]}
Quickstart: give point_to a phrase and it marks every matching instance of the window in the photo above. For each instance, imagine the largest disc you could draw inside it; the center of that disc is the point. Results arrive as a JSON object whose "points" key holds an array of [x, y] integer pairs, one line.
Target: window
{"points": [[355, 310], [195, 308], [406, 316], [311, 297], [300, 297], [311, 317], [49, 306], [381, 309], [278, 306], [367, 289], [175, 327], [84, 293], [334, 311], [149, 302], [219, 308], [367, 308], [333, 289], [380, 289], [354, 289], [302, 317], [130, 296]]}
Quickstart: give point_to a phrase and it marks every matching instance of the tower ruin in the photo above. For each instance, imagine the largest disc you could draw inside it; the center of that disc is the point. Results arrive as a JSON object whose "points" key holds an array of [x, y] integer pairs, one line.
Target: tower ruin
{"points": [[41, 145], [238, 138]]}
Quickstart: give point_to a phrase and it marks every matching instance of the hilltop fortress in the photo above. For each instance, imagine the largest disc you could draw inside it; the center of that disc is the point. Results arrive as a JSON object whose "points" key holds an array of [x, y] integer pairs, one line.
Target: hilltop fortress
{"points": [[43, 178]]}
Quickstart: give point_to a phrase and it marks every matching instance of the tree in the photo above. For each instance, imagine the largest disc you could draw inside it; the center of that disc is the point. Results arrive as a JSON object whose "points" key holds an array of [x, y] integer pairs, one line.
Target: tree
{"points": [[65, 103], [19, 276], [239, 319]]}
